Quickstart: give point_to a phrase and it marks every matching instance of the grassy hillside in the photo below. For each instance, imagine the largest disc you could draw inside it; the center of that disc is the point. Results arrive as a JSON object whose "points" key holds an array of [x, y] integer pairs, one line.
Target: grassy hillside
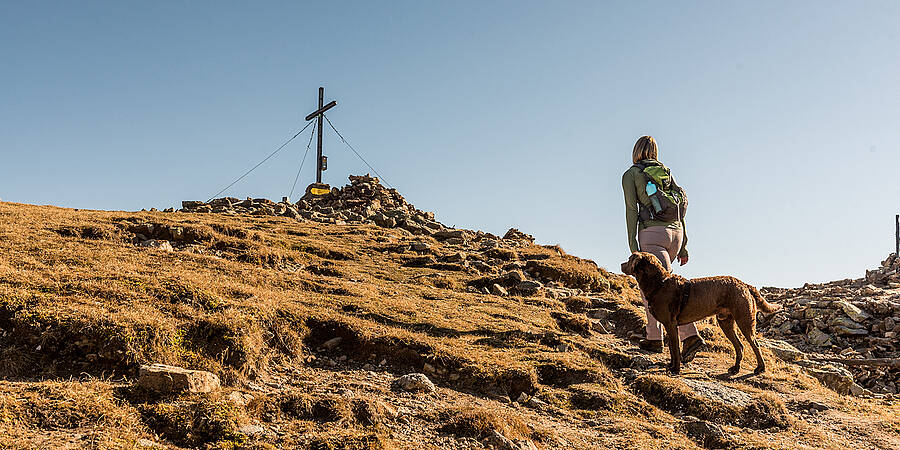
{"points": [[260, 300]]}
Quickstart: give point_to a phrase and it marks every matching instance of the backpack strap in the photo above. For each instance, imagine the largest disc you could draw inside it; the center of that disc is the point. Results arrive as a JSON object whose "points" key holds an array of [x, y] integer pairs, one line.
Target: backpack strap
{"points": [[641, 165], [642, 208]]}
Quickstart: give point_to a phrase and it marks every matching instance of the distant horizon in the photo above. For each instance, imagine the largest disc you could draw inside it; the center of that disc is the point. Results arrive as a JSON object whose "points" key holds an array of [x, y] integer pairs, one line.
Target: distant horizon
{"points": [[776, 117]]}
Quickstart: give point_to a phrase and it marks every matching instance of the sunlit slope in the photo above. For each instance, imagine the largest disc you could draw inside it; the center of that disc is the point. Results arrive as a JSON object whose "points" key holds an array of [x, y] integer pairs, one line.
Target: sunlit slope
{"points": [[521, 340]]}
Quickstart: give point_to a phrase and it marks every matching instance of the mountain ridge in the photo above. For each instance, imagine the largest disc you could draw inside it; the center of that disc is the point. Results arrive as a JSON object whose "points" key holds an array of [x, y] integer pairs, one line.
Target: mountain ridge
{"points": [[309, 323]]}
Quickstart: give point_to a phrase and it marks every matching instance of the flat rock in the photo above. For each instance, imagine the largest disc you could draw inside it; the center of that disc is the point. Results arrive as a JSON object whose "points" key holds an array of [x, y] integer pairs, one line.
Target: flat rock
{"points": [[847, 326], [170, 379], [718, 392], [853, 312], [835, 378], [783, 350]]}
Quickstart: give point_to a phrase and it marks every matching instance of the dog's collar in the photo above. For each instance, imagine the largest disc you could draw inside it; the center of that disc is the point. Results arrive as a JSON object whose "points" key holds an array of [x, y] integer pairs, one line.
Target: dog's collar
{"points": [[652, 293]]}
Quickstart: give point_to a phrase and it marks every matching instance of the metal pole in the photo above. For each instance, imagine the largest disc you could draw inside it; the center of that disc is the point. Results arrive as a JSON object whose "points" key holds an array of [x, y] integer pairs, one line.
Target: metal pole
{"points": [[897, 234], [319, 139]]}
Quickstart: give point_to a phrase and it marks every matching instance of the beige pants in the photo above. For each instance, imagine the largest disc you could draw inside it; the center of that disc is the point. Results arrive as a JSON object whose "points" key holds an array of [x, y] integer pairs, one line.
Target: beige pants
{"points": [[664, 243]]}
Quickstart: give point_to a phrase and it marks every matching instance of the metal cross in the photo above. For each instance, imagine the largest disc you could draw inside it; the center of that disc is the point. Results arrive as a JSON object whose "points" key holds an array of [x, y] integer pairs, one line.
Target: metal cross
{"points": [[319, 113]]}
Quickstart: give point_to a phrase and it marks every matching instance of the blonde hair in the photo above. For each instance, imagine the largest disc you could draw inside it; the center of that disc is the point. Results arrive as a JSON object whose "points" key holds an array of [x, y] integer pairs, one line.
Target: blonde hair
{"points": [[645, 148]]}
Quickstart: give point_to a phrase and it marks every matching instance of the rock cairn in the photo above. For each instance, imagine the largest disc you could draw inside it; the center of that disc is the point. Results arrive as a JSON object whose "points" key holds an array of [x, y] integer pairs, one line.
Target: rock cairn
{"points": [[886, 275], [845, 319], [364, 200]]}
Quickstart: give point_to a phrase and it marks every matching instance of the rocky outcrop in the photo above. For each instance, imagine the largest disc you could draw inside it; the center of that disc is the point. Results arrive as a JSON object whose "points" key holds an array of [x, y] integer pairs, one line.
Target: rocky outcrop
{"points": [[364, 200], [886, 275], [847, 319]]}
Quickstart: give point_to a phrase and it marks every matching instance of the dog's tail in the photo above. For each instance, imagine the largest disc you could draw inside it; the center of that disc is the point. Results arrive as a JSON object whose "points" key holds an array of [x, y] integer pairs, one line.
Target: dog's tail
{"points": [[761, 302]]}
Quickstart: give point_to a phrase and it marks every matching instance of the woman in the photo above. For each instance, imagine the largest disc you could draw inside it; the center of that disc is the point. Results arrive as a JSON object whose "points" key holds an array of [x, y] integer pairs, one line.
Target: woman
{"points": [[665, 240]]}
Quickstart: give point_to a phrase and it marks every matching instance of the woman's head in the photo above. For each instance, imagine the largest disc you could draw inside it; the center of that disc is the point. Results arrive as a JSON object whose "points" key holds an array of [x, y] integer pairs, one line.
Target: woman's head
{"points": [[645, 148]]}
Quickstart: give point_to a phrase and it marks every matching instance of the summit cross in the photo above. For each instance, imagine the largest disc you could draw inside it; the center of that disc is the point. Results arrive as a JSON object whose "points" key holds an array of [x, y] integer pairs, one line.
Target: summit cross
{"points": [[321, 161]]}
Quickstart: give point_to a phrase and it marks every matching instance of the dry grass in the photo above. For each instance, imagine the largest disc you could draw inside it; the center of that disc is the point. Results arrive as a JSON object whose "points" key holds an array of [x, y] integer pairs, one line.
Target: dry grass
{"points": [[477, 422], [70, 414], [197, 421], [252, 298]]}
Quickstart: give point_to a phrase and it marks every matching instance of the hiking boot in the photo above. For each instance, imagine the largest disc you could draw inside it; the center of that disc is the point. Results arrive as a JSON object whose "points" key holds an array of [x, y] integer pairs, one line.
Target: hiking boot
{"points": [[651, 345], [690, 346]]}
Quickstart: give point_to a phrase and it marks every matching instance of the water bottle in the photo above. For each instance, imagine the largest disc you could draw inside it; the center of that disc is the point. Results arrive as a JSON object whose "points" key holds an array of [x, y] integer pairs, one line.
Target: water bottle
{"points": [[651, 189]]}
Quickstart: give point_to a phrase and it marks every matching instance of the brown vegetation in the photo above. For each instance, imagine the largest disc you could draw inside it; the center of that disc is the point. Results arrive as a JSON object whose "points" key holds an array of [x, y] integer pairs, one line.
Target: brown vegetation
{"points": [[260, 300]]}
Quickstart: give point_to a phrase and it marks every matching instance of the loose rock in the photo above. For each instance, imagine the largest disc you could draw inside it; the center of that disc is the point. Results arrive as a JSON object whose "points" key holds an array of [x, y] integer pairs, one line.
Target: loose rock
{"points": [[852, 318], [158, 243], [171, 379], [415, 382]]}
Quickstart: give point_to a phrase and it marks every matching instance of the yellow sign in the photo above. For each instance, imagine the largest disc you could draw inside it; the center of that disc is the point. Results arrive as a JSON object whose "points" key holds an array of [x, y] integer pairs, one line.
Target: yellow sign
{"points": [[319, 191]]}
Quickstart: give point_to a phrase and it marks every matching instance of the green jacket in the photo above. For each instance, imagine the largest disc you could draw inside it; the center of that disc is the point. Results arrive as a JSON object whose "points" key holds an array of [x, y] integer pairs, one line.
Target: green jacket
{"points": [[633, 184]]}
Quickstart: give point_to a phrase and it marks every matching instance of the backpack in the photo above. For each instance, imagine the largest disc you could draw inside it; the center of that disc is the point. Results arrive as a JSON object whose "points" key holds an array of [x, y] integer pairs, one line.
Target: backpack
{"points": [[668, 201]]}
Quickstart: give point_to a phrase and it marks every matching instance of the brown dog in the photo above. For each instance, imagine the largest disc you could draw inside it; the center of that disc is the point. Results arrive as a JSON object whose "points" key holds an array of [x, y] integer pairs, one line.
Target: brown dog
{"points": [[675, 300]]}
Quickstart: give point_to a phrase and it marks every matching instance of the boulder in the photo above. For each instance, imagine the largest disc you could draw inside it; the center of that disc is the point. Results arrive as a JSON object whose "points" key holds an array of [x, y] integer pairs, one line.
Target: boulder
{"points": [[818, 338], [836, 378], [859, 391], [853, 312], [847, 326], [415, 382], [171, 379], [783, 350]]}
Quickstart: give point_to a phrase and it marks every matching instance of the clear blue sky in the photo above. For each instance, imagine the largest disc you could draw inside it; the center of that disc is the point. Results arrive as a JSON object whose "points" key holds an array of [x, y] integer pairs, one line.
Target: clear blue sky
{"points": [[780, 118]]}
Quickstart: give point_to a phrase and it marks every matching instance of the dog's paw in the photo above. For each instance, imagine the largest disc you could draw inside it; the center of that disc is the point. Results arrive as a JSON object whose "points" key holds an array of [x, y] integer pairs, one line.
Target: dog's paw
{"points": [[733, 370], [759, 370], [674, 369]]}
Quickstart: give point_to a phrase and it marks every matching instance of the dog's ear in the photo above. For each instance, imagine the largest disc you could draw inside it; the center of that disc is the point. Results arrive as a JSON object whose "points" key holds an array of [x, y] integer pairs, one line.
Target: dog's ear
{"points": [[628, 266], [639, 265]]}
